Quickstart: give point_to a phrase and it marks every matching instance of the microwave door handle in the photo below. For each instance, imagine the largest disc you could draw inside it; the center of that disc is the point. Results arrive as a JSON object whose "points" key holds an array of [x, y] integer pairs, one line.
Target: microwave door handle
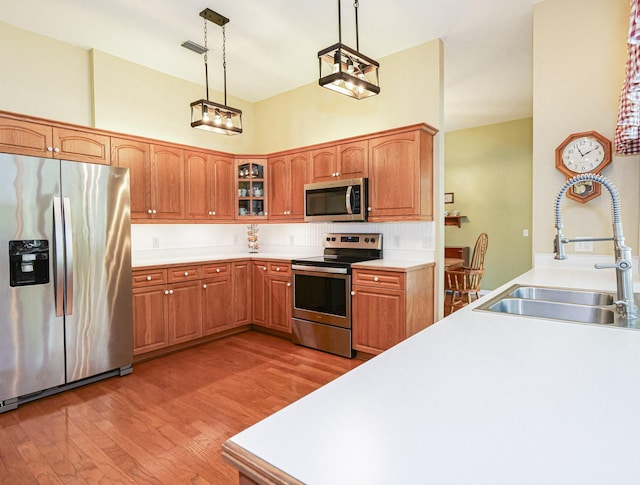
{"points": [[348, 199]]}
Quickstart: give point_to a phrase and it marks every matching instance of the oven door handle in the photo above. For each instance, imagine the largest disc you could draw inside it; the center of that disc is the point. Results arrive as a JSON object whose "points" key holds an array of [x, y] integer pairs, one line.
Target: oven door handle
{"points": [[348, 199], [318, 269]]}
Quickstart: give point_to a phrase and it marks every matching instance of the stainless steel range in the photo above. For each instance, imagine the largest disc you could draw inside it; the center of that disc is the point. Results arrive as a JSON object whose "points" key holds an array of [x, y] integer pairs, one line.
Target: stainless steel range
{"points": [[322, 291]]}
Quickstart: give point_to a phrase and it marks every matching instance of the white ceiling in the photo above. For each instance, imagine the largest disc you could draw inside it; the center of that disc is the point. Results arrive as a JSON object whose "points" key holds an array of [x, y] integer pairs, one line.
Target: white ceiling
{"points": [[272, 45]]}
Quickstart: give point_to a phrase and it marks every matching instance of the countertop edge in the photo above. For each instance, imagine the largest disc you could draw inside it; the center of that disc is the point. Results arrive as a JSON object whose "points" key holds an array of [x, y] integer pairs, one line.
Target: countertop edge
{"points": [[255, 468]]}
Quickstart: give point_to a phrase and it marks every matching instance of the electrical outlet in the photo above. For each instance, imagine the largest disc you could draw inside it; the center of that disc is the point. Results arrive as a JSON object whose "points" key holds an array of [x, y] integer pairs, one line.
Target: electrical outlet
{"points": [[584, 246], [525, 233], [155, 242]]}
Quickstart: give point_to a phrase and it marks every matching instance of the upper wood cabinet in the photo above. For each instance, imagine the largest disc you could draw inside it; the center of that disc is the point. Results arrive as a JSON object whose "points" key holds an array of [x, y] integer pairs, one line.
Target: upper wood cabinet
{"points": [[135, 156], [27, 138], [252, 189], [344, 161], [209, 182], [167, 182], [401, 176], [287, 176]]}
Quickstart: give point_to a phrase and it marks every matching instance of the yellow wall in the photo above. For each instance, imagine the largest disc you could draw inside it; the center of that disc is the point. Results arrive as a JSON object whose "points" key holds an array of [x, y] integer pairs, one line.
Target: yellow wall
{"points": [[133, 99], [311, 114], [43, 77], [578, 67], [489, 171]]}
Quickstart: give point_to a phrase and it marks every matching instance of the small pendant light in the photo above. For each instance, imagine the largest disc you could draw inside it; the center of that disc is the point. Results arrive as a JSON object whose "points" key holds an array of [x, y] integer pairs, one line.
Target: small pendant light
{"points": [[347, 71], [205, 114]]}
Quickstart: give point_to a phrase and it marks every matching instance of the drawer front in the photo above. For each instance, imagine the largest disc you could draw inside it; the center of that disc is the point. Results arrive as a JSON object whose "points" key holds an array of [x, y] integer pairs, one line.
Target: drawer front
{"points": [[381, 279], [184, 273], [149, 277], [279, 268], [212, 270]]}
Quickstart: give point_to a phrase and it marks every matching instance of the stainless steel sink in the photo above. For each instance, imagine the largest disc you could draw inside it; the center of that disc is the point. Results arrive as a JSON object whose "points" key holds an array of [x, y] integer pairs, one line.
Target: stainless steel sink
{"points": [[554, 310], [563, 295], [571, 305]]}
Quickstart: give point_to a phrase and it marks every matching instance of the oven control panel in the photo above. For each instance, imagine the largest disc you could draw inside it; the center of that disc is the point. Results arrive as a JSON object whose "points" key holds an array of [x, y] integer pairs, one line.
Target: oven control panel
{"points": [[356, 241]]}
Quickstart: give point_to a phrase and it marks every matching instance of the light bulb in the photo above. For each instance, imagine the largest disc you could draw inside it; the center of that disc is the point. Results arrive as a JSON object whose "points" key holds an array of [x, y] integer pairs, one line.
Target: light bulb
{"points": [[336, 61], [218, 118], [229, 122], [205, 113]]}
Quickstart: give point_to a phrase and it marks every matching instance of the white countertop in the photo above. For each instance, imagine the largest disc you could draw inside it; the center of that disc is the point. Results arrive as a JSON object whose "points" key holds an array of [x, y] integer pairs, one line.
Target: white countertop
{"points": [[477, 398]]}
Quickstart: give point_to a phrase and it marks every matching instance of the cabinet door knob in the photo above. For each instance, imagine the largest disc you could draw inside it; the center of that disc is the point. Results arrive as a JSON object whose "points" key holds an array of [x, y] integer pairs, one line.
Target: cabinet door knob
{"points": [[149, 211], [217, 270], [288, 284], [148, 278], [49, 149], [56, 149], [264, 268], [171, 292], [213, 213], [375, 278], [337, 174], [278, 268], [204, 286], [353, 293], [166, 292], [154, 211], [186, 273]]}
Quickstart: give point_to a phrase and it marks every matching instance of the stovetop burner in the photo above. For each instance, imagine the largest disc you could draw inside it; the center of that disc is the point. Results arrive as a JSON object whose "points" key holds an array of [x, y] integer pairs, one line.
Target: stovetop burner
{"points": [[342, 250]]}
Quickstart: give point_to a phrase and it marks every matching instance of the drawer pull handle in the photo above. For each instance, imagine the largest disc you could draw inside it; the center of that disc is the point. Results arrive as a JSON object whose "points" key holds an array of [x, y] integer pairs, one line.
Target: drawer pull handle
{"points": [[375, 278], [217, 270], [264, 268], [148, 278], [186, 273], [278, 268]]}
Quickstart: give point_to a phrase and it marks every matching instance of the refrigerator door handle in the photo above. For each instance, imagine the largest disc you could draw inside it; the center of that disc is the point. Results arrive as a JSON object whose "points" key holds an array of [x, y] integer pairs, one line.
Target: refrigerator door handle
{"points": [[68, 244], [58, 244]]}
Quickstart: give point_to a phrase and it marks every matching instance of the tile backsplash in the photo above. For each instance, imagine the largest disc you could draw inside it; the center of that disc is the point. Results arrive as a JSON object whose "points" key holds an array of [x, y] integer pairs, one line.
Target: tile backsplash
{"points": [[400, 239]]}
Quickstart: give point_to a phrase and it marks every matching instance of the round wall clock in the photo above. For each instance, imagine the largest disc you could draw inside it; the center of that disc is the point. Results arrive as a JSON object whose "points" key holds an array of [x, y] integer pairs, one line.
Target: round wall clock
{"points": [[586, 152]]}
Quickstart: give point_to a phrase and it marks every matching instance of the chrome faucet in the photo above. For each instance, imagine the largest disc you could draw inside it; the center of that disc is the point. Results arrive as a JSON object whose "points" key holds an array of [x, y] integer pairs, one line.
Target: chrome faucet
{"points": [[625, 303]]}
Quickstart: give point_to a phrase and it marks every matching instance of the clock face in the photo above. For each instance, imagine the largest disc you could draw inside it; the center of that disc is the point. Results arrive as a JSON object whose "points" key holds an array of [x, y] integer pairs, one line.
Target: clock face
{"points": [[583, 154]]}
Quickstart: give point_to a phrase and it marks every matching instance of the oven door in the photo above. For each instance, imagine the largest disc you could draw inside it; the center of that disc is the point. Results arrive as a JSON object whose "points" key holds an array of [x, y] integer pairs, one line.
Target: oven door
{"points": [[322, 295]]}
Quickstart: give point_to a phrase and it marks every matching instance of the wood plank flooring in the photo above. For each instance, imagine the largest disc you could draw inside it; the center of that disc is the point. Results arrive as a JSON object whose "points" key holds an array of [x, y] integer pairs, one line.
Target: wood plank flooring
{"points": [[166, 422]]}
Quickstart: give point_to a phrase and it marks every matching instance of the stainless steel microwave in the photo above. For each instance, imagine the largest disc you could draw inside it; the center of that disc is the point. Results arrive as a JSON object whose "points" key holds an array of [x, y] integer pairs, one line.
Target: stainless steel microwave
{"points": [[339, 200]]}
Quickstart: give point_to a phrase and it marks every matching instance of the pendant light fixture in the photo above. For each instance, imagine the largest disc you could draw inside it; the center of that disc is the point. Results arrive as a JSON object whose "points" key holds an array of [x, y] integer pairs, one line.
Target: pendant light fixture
{"points": [[347, 71], [205, 114]]}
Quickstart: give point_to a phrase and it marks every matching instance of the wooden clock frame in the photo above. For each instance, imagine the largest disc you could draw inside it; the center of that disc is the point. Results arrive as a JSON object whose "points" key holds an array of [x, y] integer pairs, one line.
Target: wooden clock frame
{"points": [[593, 189]]}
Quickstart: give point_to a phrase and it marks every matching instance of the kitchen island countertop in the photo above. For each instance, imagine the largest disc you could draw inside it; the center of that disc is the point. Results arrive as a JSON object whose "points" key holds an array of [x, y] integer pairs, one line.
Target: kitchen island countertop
{"points": [[476, 398]]}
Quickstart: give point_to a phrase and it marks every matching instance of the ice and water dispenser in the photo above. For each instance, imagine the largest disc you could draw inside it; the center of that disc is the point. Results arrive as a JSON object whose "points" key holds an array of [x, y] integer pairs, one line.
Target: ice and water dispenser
{"points": [[29, 262]]}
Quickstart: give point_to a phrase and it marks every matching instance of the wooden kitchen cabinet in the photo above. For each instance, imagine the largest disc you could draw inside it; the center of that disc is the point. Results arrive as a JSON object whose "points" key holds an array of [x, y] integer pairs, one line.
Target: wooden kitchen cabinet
{"points": [[241, 296], [401, 176], [390, 305], [150, 322], [135, 156], [343, 161], [217, 306], [280, 296], [251, 187], [184, 311], [259, 293], [167, 182], [209, 185], [40, 140], [287, 176]]}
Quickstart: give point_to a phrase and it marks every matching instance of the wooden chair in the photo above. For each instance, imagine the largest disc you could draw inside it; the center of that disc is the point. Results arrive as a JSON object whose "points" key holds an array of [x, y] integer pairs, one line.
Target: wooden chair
{"points": [[462, 283]]}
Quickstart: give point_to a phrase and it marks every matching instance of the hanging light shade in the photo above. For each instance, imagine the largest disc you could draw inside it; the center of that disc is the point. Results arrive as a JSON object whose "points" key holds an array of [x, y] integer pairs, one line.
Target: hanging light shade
{"points": [[347, 71], [205, 114]]}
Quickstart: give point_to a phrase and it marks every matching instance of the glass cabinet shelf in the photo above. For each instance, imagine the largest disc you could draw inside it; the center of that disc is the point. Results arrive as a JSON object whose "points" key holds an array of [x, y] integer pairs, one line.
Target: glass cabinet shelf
{"points": [[251, 185]]}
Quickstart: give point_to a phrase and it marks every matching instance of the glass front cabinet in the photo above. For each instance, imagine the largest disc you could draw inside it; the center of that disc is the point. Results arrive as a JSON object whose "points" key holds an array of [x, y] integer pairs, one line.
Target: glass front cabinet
{"points": [[251, 176]]}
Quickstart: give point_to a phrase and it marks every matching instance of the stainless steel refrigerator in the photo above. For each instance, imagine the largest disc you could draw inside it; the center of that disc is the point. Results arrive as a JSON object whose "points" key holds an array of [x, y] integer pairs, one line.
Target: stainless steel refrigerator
{"points": [[65, 294]]}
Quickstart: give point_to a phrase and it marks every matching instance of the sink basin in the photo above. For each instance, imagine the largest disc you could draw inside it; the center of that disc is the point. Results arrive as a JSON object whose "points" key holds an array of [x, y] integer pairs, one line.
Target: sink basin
{"points": [[554, 310], [563, 295], [571, 305]]}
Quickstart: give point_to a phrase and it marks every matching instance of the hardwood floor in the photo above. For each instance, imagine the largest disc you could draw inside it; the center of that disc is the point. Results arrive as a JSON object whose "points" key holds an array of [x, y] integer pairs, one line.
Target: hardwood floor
{"points": [[166, 422]]}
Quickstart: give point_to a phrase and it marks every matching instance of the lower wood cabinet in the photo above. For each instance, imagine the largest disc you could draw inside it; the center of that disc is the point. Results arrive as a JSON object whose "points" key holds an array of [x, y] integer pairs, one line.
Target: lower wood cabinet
{"points": [[150, 329], [217, 307], [184, 312], [390, 305], [241, 292], [259, 292], [280, 296]]}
